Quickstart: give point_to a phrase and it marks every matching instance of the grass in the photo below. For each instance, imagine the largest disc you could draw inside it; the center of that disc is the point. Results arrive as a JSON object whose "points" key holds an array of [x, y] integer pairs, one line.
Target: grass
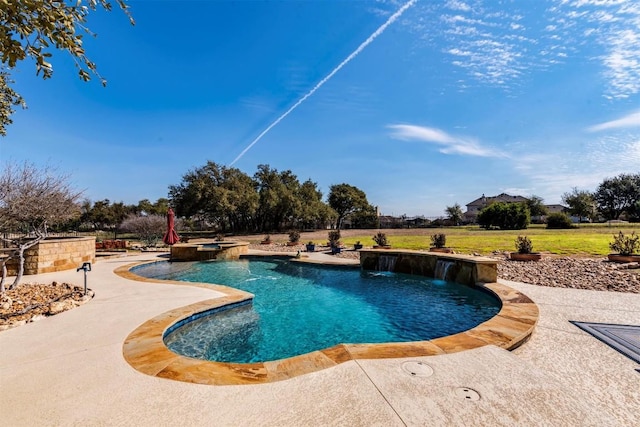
{"points": [[592, 239]]}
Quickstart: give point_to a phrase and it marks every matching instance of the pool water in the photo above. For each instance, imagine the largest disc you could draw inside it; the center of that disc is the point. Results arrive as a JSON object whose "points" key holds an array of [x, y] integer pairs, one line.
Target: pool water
{"points": [[299, 308]]}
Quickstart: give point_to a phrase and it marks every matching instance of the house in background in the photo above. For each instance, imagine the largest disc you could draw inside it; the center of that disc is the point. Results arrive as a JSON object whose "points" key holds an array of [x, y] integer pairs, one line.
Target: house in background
{"points": [[473, 208]]}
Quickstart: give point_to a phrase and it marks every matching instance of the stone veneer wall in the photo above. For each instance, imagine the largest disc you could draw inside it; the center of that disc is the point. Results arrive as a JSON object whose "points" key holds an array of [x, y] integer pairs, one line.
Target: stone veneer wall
{"points": [[52, 255], [464, 269], [196, 252]]}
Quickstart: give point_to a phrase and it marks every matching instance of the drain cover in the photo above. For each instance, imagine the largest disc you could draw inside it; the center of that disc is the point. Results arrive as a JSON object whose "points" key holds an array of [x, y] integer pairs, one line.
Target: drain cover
{"points": [[467, 393], [417, 369]]}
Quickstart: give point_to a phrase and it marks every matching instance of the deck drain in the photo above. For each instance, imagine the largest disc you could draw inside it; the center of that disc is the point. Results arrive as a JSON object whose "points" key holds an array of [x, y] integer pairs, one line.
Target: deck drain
{"points": [[417, 369], [467, 393]]}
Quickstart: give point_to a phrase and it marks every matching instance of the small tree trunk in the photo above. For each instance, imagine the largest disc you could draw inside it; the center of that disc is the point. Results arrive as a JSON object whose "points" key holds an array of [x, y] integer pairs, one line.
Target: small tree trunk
{"points": [[4, 277], [22, 248], [20, 271]]}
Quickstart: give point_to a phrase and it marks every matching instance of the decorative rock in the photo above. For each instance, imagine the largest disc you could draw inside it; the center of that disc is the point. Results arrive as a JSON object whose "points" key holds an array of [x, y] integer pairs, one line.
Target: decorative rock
{"points": [[577, 273], [6, 303], [57, 307]]}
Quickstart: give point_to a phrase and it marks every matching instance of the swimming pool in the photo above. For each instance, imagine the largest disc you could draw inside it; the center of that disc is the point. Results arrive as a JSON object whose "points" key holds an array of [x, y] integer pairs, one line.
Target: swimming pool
{"points": [[301, 308]]}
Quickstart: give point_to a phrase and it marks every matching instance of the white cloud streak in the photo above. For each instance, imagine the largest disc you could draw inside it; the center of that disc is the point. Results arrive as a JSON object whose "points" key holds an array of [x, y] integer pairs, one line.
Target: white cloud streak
{"points": [[348, 59], [451, 144], [628, 121]]}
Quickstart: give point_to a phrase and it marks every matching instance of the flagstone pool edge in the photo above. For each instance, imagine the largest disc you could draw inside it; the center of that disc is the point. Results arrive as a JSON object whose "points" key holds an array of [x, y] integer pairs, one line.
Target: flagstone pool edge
{"points": [[145, 351]]}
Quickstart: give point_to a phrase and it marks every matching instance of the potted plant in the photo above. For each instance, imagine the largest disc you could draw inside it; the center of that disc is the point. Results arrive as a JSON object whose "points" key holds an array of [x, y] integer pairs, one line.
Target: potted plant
{"points": [[357, 245], [525, 250], [334, 241], [266, 240], [438, 242], [381, 241], [311, 247], [627, 248], [294, 238]]}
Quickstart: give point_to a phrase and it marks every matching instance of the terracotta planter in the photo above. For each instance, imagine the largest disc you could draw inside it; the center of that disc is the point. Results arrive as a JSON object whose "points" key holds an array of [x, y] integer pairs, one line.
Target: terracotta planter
{"points": [[517, 256], [623, 258], [442, 250]]}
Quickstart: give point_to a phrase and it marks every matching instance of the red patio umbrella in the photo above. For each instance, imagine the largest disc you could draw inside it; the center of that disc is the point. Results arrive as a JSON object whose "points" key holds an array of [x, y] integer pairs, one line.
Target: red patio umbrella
{"points": [[171, 237]]}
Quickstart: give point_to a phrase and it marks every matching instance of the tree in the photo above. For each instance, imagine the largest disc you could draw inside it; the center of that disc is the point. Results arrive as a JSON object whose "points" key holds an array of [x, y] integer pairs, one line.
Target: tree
{"points": [[454, 213], [145, 207], [618, 195], [346, 199], [31, 199], [30, 28], [215, 195], [536, 206], [581, 203], [365, 218], [279, 202], [506, 216], [148, 228], [314, 213]]}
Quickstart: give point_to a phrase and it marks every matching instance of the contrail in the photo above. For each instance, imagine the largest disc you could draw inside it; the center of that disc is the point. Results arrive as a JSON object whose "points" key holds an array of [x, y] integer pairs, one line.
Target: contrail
{"points": [[348, 59]]}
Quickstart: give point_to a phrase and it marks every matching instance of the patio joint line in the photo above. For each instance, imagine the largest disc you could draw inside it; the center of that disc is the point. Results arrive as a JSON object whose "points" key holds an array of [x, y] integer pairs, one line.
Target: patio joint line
{"points": [[380, 391]]}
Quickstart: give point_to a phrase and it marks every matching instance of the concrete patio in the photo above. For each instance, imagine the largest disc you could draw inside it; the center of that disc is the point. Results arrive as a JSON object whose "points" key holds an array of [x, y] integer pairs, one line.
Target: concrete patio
{"points": [[69, 370]]}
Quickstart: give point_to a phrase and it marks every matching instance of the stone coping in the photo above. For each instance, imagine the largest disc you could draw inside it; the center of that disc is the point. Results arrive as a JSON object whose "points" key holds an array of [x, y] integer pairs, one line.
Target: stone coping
{"points": [[144, 348]]}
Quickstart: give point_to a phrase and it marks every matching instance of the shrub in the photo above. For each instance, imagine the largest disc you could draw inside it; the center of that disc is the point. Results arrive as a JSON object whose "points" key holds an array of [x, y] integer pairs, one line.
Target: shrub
{"points": [[380, 239], [625, 245], [559, 220], [506, 216], [334, 238], [524, 245], [294, 236], [220, 237], [267, 238], [439, 240]]}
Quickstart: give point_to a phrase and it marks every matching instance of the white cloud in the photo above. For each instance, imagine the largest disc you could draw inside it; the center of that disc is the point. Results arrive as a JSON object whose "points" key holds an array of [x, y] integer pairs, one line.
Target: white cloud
{"points": [[614, 26], [451, 144], [628, 121], [497, 44]]}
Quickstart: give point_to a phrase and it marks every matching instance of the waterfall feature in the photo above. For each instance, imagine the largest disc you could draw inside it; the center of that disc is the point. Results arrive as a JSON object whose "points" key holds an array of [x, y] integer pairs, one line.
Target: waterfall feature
{"points": [[442, 268], [386, 263]]}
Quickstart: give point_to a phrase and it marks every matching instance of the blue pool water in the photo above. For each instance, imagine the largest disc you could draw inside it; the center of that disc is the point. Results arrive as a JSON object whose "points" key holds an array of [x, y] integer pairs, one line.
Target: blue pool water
{"points": [[301, 308]]}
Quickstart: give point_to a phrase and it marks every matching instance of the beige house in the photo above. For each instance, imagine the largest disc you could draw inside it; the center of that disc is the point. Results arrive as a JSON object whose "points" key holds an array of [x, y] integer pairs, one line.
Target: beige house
{"points": [[473, 208]]}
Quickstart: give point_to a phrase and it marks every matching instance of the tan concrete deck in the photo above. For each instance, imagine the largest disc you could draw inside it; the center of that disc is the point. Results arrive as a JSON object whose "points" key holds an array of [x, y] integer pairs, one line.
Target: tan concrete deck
{"points": [[69, 370]]}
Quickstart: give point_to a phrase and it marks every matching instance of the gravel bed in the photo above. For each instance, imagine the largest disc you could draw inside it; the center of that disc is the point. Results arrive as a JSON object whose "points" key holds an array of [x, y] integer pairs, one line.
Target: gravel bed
{"points": [[578, 273]]}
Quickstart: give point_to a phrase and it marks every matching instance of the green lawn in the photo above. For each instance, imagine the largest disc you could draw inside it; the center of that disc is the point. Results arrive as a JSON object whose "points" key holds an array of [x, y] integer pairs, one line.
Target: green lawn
{"points": [[591, 239]]}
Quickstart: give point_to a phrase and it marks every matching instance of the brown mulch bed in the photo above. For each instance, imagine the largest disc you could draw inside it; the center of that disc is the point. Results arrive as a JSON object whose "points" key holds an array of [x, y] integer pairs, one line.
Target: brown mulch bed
{"points": [[31, 302]]}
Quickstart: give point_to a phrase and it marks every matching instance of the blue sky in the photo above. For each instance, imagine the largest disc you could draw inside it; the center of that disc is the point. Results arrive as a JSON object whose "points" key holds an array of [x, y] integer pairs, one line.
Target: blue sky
{"points": [[423, 108]]}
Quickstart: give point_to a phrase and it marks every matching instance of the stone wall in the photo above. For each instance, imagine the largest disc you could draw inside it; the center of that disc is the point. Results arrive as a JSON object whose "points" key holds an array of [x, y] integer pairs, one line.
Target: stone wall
{"points": [[464, 269], [52, 255]]}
